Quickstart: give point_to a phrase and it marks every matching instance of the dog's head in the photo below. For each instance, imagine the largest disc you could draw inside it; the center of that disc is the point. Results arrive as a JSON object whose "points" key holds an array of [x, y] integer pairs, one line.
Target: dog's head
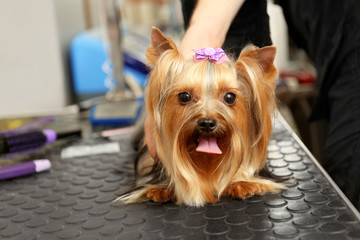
{"points": [[209, 118]]}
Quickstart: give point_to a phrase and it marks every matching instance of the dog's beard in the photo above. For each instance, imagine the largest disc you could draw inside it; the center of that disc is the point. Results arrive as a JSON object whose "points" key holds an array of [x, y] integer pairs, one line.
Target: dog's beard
{"points": [[203, 151], [200, 176], [206, 151]]}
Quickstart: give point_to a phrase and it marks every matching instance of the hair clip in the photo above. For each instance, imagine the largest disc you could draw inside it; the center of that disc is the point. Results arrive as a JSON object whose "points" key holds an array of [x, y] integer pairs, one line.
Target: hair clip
{"points": [[216, 55]]}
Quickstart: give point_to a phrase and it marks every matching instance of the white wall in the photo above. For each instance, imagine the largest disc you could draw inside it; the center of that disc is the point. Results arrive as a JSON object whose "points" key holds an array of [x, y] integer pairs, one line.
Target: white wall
{"points": [[34, 40], [279, 35]]}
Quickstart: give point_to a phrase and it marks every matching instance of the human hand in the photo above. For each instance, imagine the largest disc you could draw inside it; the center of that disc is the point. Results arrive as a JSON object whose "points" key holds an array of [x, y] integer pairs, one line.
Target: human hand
{"points": [[197, 37], [209, 25]]}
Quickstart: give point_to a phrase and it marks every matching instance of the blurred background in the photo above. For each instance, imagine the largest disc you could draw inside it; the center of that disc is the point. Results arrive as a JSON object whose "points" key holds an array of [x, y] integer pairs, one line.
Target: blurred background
{"points": [[55, 57]]}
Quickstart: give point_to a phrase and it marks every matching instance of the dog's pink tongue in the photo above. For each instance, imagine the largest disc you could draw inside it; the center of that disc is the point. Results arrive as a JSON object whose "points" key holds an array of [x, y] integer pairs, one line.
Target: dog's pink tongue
{"points": [[208, 145]]}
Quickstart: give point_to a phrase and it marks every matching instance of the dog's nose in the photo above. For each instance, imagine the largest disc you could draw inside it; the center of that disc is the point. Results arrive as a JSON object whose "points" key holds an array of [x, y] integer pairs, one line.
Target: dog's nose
{"points": [[207, 125]]}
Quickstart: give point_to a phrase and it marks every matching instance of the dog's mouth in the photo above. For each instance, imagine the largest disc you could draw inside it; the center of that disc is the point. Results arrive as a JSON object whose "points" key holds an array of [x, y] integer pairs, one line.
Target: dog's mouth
{"points": [[207, 149], [208, 144]]}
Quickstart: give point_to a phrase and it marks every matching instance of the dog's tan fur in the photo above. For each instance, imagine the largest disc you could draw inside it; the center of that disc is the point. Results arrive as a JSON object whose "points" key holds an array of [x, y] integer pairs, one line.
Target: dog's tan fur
{"points": [[243, 129]]}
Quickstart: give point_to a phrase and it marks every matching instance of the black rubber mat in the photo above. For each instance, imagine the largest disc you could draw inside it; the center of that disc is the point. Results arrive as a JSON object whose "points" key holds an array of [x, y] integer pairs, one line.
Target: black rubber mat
{"points": [[74, 201]]}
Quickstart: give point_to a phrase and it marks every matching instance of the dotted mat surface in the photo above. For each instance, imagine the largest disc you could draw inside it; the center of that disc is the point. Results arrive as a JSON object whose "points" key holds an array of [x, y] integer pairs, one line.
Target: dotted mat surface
{"points": [[74, 201]]}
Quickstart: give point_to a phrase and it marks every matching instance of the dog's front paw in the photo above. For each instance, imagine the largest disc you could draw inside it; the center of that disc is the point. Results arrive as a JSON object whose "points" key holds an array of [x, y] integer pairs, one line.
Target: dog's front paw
{"points": [[159, 194], [245, 189]]}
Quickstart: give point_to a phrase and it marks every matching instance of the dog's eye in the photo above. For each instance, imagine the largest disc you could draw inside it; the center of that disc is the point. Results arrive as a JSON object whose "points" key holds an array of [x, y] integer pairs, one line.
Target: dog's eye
{"points": [[229, 98], [184, 97]]}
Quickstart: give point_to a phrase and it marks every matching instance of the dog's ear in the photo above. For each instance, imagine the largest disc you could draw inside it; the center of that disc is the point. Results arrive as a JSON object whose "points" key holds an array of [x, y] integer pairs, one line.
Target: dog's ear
{"points": [[264, 57], [256, 67], [158, 45]]}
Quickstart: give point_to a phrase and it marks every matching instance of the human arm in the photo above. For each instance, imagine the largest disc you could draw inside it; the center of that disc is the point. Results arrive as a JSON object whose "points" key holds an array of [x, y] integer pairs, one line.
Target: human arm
{"points": [[209, 25]]}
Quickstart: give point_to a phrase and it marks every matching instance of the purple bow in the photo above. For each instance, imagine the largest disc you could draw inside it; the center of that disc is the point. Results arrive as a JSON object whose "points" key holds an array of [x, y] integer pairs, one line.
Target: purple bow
{"points": [[216, 55]]}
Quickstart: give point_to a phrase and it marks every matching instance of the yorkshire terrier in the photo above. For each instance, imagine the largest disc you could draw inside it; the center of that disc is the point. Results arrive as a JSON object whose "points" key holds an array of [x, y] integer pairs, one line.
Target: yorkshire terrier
{"points": [[209, 121]]}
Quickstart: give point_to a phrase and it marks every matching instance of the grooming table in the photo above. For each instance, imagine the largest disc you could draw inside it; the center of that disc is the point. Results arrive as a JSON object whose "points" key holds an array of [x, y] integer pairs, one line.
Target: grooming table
{"points": [[74, 200]]}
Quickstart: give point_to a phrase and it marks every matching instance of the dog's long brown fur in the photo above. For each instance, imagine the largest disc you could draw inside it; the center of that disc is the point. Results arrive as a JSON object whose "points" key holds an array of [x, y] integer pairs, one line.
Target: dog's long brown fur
{"points": [[243, 128]]}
